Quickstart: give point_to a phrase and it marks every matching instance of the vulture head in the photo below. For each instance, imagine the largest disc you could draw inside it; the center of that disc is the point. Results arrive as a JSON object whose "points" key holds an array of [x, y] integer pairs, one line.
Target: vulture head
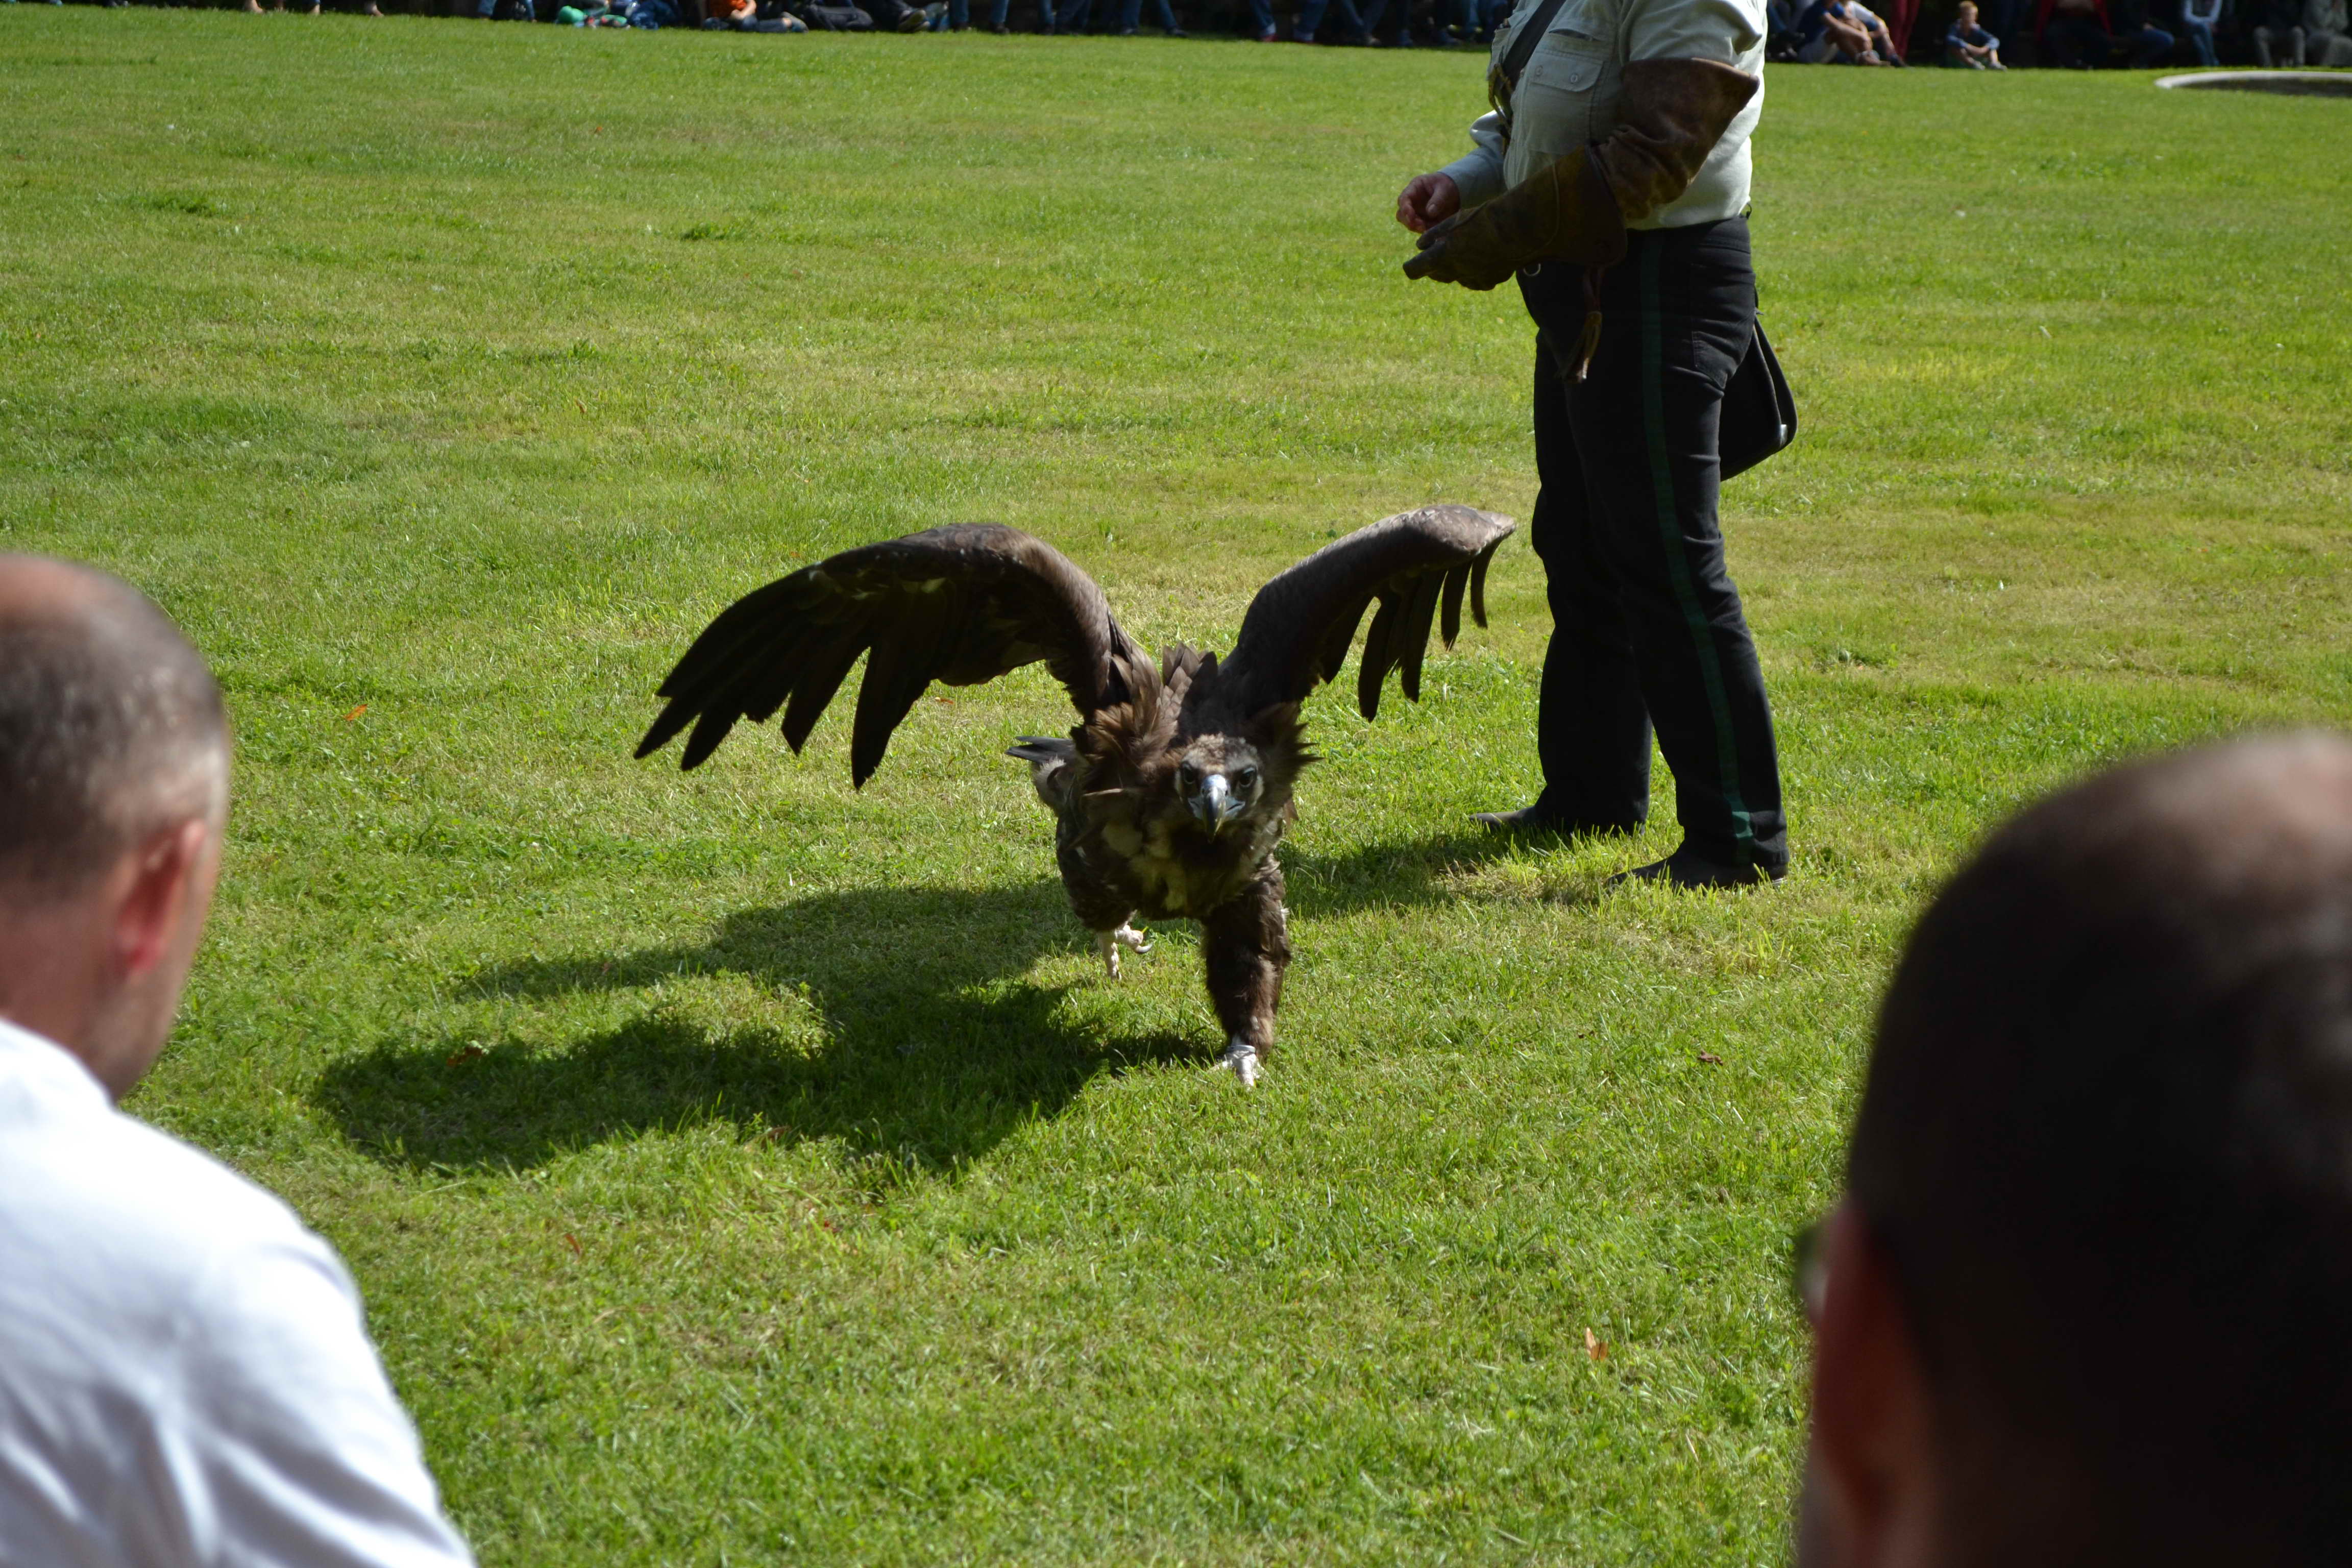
{"points": [[1221, 778]]}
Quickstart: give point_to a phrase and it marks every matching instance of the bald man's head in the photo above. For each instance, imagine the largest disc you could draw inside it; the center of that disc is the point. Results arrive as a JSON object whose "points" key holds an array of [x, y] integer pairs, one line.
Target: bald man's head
{"points": [[111, 726]]}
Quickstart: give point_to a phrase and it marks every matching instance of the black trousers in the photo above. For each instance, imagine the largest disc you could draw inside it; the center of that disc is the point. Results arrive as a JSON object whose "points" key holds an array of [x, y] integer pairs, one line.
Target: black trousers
{"points": [[1646, 626]]}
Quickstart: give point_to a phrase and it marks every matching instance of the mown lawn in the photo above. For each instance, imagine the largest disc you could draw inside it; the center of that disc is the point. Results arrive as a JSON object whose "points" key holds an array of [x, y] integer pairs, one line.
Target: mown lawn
{"points": [[743, 1169]]}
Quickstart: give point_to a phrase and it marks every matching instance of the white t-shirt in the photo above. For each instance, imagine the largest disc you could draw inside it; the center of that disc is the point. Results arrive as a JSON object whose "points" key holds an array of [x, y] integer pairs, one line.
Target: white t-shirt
{"points": [[185, 1376], [1567, 94]]}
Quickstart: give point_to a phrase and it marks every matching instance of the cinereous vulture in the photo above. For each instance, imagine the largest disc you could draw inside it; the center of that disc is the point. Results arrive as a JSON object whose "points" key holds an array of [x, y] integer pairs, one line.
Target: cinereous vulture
{"points": [[1171, 791]]}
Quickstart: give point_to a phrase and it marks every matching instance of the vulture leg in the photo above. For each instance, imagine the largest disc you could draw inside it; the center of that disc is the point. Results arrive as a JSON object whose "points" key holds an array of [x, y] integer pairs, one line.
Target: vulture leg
{"points": [[1246, 941], [1108, 942]]}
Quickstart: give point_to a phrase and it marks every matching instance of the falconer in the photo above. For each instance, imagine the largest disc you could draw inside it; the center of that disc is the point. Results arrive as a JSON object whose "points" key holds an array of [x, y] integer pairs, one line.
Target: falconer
{"points": [[1611, 179]]}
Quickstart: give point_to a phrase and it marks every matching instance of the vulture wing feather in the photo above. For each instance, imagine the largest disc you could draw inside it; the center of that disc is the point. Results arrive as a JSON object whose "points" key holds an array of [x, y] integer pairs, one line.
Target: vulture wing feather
{"points": [[820, 677], [964, 604], [1297, 633], [902, 664], [1379, 658], [1449, 626], [1333, 658], [1413, 629]]}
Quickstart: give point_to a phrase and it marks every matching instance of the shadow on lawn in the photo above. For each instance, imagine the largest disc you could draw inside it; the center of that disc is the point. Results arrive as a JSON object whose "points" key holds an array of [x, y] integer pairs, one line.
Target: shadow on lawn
{"points": [[932, 1048], [1417, 871], [931, 1051]]}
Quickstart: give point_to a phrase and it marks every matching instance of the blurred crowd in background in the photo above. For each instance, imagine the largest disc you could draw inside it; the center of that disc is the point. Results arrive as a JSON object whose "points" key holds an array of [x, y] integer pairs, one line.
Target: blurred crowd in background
{"points": [[1995, 35], [1970, 35]]}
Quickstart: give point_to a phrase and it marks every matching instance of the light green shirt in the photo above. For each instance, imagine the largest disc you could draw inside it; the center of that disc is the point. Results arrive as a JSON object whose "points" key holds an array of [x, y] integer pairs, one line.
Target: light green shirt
{"points": [[1567, 96]]}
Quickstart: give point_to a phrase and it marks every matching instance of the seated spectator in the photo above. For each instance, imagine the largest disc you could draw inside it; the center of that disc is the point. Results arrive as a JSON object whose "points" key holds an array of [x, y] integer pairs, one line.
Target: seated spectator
{"points": [[2146, 42], [2079, 35], [1840, 32], [2326, 33], [999, 10], [1882, 38], [1901, 16], [2280, 33], [2198, 19], [1386, 23], [597, 14], [1074, 14], [1311, 21], [2008, 20], [1967, 44], [743, 16], [187, 1378], [2074, 33], [1831, 36], [2084, 1300], [1130, 14]]}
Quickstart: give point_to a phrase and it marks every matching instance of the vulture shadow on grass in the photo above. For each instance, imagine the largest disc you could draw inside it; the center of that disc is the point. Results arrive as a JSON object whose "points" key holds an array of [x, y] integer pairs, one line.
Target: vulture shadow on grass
{"points": [[932, 1049]]}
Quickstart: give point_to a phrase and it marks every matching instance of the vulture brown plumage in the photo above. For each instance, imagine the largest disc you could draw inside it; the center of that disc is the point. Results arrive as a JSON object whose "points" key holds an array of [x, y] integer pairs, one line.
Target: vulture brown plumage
{"points": [[1171, 792]]}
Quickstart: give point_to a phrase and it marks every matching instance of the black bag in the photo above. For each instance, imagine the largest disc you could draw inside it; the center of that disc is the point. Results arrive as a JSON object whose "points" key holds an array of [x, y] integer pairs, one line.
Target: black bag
{"points": [[1760, 416]]}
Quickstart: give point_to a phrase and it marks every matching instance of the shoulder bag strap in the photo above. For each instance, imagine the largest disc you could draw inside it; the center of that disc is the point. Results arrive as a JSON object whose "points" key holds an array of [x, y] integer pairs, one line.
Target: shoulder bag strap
{"points": [[1504, 78]]}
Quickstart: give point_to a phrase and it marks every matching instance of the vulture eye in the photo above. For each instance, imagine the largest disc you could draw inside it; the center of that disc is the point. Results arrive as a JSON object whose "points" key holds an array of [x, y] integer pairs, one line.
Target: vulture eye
{"points": [[1190, 774], [1245, 777]]}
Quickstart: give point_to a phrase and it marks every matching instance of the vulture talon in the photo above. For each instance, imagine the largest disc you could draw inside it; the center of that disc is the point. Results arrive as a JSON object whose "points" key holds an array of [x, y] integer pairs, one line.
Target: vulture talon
{"points": [[1108, 942]]}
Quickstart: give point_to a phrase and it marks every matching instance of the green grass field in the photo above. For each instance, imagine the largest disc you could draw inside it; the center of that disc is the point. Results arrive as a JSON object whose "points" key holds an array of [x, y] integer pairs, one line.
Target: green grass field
{"points": [[742, 1169]]}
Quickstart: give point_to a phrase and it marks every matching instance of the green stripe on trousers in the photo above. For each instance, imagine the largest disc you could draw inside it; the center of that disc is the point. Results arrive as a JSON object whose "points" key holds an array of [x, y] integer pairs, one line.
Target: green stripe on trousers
{"points": [[1670, 534]]}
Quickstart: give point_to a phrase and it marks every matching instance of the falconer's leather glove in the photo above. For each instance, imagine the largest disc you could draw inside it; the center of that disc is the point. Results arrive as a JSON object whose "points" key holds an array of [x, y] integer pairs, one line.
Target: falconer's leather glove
{"points": [[1670, 115], [1564, 209]]}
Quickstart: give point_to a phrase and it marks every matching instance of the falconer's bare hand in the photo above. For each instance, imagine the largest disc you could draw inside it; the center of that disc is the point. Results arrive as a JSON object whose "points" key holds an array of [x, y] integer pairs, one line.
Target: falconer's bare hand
{"points": [[1427, 200]]}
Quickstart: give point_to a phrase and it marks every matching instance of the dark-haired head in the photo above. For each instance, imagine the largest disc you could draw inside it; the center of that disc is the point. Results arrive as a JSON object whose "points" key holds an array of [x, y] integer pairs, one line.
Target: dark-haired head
{"points": [[2099, 1216]]}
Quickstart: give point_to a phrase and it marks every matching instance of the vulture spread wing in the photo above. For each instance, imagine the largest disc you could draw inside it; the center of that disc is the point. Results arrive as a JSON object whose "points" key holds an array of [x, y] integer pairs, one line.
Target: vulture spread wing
{"points": [[959, 604], [1417, 564]]}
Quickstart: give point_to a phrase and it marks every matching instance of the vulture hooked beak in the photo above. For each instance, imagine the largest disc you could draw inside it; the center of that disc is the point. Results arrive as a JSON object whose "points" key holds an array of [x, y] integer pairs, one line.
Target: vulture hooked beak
{"points": [[1216, 805]]}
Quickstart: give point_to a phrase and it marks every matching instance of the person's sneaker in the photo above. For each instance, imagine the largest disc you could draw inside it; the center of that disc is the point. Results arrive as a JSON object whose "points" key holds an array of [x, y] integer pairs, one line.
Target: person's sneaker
{"points": [[1127, 32], [1265, 38], [1176, 32], [912, 21], [1689, 872], [1535, 820]]}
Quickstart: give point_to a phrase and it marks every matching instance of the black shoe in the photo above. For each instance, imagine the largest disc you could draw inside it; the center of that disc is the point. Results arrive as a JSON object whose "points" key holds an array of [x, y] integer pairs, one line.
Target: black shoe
{"points": [[1535, 819], [1176, 32], [1687, 872], [1127, 32]]}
